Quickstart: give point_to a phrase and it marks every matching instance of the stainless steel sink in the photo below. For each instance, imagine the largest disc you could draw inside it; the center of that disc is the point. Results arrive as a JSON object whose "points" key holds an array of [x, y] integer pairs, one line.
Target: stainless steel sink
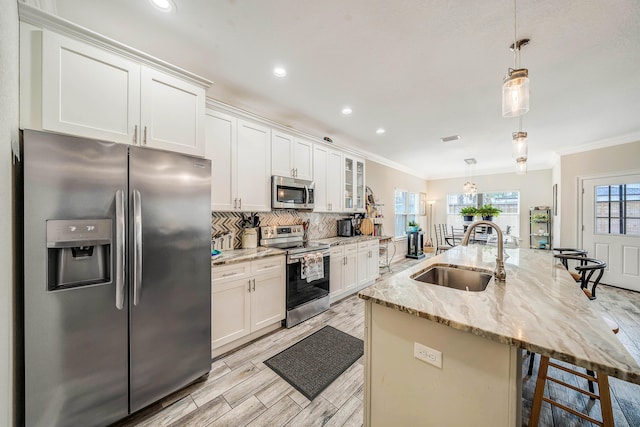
{"points": [[455, 277]]}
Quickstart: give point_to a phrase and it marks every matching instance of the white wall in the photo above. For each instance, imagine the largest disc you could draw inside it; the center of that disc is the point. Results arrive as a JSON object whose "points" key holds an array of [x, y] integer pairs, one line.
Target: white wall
{"points": [[619, 158], [535, 190], [8, 134], [384, 180]]}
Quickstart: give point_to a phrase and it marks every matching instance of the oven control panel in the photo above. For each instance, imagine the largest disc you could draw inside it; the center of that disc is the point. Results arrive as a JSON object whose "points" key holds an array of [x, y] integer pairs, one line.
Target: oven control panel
{"points": [[279, 231]]}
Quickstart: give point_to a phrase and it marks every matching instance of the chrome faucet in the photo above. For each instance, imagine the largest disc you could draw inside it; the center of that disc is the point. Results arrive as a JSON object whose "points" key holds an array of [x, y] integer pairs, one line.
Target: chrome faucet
{"points": [[499, 272]]}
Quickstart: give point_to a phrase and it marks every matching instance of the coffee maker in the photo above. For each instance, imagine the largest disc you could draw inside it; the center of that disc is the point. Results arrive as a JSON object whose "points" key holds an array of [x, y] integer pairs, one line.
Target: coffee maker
{"points": [[345, 227]]}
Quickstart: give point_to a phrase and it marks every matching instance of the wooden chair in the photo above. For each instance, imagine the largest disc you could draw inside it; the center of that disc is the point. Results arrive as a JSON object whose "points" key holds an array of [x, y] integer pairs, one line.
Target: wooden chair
{"points": [[441, 242]]}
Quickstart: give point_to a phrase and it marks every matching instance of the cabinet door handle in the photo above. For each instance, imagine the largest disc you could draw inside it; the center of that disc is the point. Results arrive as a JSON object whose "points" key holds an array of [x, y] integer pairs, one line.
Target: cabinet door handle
{"points": [[144, 140], [344, 261], [235, 203], [254, 285], [240, 202], [229, 274], [135, 135], [249, 285]]}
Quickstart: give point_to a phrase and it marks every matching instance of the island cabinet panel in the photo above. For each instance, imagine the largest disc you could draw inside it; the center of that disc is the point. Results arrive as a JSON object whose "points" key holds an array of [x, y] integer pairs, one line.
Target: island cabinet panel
{"points": [[479, 383]]}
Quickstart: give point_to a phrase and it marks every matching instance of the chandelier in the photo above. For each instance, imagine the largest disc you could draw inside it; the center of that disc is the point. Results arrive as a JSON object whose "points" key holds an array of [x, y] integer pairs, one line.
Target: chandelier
{"points": [[470, 188]]}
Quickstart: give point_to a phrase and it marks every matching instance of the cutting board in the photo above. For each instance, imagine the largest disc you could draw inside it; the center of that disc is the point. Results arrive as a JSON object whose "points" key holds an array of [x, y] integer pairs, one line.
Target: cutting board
{"points": [[366, 226]]}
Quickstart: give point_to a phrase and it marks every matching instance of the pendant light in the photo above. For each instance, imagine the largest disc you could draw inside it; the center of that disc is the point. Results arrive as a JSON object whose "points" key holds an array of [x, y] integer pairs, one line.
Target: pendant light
{"points": [[470, 188], [519, 145], [515, 85], [521, 166]]}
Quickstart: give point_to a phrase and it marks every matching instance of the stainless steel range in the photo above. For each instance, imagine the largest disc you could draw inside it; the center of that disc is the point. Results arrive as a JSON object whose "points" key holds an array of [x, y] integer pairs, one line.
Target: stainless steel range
{"points": [[307, 295]]}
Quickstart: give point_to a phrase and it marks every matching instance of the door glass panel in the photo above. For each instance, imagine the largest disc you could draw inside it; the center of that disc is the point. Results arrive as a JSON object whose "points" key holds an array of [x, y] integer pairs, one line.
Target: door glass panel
{"points": [[617, 209]]}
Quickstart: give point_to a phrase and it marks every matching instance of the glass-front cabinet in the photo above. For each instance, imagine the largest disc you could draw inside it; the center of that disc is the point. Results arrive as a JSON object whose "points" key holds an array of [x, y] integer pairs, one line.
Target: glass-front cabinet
{"points": [[354, 184]]}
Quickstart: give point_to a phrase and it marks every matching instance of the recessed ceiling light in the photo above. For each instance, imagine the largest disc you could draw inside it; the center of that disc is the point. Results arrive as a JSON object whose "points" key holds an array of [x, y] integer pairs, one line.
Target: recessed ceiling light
{"points": [[279, 72], [164, 5], [380, 131], [450, 138], [471, 161], [347, 110]]}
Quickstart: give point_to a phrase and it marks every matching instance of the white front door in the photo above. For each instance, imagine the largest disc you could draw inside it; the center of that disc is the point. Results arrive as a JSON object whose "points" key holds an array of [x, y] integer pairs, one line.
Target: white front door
{"points": [[611, 227]]}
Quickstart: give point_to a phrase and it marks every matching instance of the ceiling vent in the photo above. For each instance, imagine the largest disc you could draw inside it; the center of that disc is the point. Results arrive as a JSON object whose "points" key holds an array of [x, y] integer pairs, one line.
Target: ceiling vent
{"points": [[450, 138], [471, 161]]}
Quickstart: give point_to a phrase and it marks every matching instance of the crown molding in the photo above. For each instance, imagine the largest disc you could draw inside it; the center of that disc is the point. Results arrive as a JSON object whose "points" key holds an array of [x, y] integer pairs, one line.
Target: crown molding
{"points": [[238, 112], [604, 143], [41, 19]]}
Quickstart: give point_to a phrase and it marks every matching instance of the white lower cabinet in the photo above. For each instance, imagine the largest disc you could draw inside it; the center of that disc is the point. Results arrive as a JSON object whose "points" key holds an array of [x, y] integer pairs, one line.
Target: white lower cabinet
{"points": [[245, 298], [343, 279], [368, 256]]}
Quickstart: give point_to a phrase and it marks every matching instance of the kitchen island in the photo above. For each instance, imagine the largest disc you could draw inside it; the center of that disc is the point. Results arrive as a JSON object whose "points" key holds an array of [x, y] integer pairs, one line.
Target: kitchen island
{"points": [[480, 334]]}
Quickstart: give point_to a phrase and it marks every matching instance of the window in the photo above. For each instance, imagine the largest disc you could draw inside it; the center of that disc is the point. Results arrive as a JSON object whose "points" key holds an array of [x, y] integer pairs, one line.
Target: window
{"points": [[406, 209], [507, 201], [618, 209]]}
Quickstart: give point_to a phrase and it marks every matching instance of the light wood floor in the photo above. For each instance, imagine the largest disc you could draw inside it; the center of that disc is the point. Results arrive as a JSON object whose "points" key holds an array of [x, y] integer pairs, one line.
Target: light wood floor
{"points": [[242, 391]]}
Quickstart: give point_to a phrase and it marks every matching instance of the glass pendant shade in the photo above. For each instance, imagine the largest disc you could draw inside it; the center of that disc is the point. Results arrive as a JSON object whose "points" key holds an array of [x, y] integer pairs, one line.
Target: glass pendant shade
{"points": [[519, 145], [470, 188], [515, 93], [521, 166]]}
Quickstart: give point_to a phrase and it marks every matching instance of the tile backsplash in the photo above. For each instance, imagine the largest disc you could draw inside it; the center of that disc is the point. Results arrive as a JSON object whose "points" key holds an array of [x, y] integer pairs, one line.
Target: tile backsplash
{"points": [[321, 225]]}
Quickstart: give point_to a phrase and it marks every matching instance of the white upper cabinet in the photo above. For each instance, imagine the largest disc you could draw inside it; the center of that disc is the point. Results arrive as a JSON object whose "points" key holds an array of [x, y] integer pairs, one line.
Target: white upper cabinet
{"points": [[240, 153], [291, 156], [78, 88], [221, 149], [354, 184], [327, 175], [87, 91], [253, 167], [172, 113]]}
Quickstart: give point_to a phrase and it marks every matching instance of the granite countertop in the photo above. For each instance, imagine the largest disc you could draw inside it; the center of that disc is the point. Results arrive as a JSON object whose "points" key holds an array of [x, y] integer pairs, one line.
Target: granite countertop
{"points": [[539, 308], [335, 241], [242, 255]]}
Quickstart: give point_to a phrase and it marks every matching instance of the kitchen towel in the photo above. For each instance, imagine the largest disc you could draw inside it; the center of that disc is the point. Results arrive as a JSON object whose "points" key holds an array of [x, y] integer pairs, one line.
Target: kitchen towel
{"points": [[312, 267]]}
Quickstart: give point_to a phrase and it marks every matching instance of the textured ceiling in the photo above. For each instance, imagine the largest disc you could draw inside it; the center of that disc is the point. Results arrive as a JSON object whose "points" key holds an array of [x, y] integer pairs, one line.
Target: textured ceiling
{"points": [[420, 69]]}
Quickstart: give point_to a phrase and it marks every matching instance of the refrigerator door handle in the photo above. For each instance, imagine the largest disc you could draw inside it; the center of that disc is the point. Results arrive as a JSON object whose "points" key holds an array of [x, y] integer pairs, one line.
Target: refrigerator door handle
{"points": [[120, 253], [137, 250]]}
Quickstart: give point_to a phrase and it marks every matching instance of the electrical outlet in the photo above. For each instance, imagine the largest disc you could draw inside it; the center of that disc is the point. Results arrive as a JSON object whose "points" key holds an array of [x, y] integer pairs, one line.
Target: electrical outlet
{"points": [[427, 354]]}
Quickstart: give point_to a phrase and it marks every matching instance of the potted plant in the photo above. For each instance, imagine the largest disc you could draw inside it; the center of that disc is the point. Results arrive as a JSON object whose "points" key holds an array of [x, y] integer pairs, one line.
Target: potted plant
{"points": [[468, 212], [412, 226], [539, 218], [488, 212]]}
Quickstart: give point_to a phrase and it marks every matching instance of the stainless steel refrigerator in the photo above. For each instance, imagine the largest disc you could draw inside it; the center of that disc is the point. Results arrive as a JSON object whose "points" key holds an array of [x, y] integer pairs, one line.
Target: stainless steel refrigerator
{"points": [[117, 277]]}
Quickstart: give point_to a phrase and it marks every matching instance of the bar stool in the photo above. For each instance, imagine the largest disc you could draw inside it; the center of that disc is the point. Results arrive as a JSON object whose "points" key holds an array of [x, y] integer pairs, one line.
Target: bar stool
{"points": [[587, 269], [603, 389], [571, 251]]}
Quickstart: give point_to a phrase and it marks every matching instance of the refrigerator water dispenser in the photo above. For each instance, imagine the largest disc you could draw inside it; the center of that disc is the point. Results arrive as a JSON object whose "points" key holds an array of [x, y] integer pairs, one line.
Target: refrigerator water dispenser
{"points": [[78, 253]]}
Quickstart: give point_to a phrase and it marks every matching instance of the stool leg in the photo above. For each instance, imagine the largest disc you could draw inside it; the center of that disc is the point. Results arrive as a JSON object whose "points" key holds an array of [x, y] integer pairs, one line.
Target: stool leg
{"points": [[605, 400], [539, 393], [532, 358]]}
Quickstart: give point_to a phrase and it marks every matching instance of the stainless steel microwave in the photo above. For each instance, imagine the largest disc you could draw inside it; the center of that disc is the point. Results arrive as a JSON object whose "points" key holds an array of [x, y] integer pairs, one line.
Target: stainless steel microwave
{"points": [[291, 193]]}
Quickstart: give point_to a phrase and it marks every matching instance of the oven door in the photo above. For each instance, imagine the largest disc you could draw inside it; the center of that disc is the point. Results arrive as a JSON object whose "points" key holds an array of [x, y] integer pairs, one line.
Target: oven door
{"points": [[291, 193], [299, 291]]}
